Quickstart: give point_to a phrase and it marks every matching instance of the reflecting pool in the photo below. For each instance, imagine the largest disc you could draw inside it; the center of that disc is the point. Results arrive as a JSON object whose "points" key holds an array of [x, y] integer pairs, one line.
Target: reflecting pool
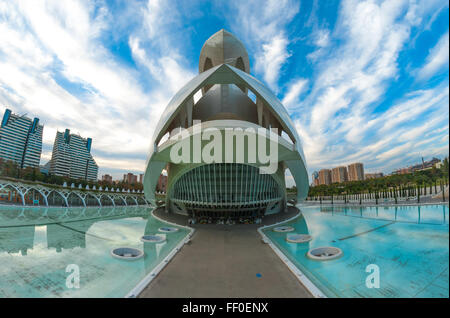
{"points": [[409, 245], [37, 245]]}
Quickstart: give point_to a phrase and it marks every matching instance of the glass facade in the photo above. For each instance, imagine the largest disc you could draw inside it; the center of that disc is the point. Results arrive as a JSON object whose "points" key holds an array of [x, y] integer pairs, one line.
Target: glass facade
{"points": [[226, 187]]}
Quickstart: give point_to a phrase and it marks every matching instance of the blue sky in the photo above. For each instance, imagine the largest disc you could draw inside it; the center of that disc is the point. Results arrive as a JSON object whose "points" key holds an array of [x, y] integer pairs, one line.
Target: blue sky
{"points": [[363, 81]]}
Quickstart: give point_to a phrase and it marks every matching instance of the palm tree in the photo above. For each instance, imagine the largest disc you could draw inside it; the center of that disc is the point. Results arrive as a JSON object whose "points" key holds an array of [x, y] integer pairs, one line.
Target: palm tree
{"points": [[418, 193], [395, 195]]}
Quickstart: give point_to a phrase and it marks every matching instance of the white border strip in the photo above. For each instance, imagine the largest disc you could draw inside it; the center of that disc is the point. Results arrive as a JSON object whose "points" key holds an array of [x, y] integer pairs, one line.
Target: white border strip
{"points": [[69, 207], [381, 205], [150, 276], [313, 289]]}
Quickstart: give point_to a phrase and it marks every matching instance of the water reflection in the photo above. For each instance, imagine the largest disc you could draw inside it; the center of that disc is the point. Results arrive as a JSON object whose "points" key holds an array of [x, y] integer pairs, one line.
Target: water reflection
{"points": [[154, 248], [17, 239], [66, 228], [410, 244], [17, 216], [53, 238], [421, 214], [60, 237], [301, 227]]}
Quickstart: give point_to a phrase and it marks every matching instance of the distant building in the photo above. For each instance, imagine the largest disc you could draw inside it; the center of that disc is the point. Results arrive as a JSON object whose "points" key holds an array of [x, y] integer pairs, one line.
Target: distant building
{"points": [[402, 171], [356, 172], [141, 177], [162, 183], [373, 175], [325, 176], [130, 178], [107, 178], [71, 157], [425, 165], [315, 178], [21, 140], [339, 174]]}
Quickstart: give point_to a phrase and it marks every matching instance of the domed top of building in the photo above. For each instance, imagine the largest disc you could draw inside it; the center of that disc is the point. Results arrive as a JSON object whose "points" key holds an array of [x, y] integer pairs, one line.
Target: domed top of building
{"points": [[223, 47]]}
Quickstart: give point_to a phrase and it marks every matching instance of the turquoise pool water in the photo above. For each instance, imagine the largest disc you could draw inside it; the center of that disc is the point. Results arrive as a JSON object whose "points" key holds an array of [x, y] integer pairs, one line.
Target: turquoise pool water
{"points": [[409, 244], [37, 245]]}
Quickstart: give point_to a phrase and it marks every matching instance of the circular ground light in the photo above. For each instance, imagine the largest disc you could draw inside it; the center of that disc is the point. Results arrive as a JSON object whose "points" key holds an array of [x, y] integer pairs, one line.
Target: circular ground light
{"points": [[127, 253], [152, 239], [283, 229], [168, 229], [298, 238], [324, 253]]}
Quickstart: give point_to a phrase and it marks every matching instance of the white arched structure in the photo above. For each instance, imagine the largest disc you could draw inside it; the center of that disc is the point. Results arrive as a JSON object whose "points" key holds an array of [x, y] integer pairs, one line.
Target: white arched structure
{"points": [[23, 189], [225, 81]]}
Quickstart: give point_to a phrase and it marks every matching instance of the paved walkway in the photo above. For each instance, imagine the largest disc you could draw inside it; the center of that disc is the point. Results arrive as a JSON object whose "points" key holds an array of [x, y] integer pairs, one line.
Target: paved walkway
{"points": [[226, 261]]}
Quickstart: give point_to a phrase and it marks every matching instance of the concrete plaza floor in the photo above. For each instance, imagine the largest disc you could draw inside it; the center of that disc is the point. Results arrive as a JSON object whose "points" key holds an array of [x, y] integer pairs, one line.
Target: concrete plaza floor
{"points": [[226, 261]]}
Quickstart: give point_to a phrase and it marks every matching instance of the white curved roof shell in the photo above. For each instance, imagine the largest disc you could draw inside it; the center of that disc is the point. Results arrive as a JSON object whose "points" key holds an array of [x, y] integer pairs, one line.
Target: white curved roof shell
{"points": [[225, 74]]}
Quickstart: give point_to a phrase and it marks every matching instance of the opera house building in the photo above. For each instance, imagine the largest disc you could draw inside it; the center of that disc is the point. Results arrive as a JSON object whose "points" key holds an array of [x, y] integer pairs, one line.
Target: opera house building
{"points": [[226, 141]]}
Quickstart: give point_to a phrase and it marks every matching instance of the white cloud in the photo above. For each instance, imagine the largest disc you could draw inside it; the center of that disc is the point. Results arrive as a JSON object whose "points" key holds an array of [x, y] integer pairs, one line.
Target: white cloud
{"points": [[165, 69], [321, 39], [46, 42], [394, 152], [338, 120], [419, 103], [263, 27], [437, 60], [295, 89], [272, 57]]}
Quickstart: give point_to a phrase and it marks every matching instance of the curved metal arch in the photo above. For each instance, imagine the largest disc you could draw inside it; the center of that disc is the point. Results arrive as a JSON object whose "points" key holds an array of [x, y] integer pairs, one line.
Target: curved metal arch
{"points": [[226, 74], [44, 190], [233, 75], [124, 201], [141, 197], [11, 185], [132, 197], [38, 190], [43, 195], [61, 194], [109, 197], [94, 196], [77, 194], [290, 156], [145, 200], [17, 189], [114, 196], [64, 193]]}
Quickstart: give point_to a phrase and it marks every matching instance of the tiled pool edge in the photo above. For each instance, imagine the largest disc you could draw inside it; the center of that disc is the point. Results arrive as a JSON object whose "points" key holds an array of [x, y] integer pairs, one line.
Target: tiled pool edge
{"points": [[313, 289], [150, 276]]}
